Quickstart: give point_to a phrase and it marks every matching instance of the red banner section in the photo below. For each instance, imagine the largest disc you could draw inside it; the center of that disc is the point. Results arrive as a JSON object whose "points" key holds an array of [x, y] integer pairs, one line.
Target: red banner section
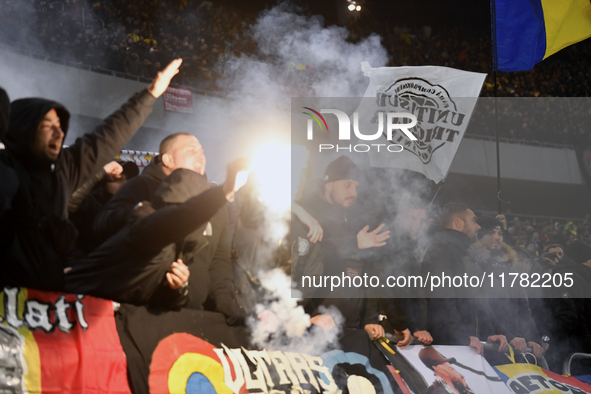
{"points": [[62, 343], [178, 100]]}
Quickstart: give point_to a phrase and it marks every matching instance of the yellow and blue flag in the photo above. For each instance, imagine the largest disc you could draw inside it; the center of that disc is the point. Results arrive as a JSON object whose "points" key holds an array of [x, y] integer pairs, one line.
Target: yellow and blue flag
{"points": [[526, 32]]}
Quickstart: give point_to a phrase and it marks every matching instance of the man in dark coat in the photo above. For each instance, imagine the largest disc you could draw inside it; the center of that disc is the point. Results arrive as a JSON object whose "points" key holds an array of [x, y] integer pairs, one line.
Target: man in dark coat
{"points": [[576, 263], [330, 202], [134, 266], [180, 150], [555, 316], [510, 305], [90, 198], [36, 228], [452, 315], [406, 313], [9, 184]]}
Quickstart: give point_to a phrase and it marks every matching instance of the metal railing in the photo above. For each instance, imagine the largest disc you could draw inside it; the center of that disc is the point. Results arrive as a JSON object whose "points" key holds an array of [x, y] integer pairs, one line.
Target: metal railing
{"points": [[570, 358]]}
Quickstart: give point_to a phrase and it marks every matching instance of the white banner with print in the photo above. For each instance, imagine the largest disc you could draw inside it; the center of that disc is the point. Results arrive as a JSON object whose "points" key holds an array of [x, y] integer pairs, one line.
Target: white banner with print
{"points": [[441, 98]]}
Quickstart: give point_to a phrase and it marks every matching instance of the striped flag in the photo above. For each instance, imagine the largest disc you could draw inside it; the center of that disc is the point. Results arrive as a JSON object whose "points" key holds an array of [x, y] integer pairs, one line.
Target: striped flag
{"points": [[525, 32]]}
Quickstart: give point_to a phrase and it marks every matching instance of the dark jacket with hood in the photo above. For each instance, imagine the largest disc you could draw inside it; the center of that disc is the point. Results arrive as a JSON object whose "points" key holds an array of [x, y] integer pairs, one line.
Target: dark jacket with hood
{"points": [[454, 315], [131, 266], [37, 227], [119, 210], [9, 183]]}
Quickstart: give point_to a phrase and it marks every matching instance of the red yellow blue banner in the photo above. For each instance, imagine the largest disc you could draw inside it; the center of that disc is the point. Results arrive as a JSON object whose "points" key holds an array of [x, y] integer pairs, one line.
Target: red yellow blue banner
{"points": [[528, 378]]}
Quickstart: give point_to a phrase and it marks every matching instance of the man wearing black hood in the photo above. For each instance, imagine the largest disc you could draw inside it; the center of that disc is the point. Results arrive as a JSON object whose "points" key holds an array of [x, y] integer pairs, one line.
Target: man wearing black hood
{"points": [[9, 183], [133, 265], [37, 228]]}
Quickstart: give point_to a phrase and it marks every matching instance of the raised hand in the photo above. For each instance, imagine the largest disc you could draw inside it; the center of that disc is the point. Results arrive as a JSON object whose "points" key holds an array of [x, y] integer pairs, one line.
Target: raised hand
{"points": [[373, 239], [162, 80], [113, 170], [236, 176]]}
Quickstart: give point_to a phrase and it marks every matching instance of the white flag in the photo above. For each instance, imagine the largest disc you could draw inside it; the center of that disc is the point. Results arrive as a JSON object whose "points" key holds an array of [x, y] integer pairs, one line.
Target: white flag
{"points": [[441, 98]]}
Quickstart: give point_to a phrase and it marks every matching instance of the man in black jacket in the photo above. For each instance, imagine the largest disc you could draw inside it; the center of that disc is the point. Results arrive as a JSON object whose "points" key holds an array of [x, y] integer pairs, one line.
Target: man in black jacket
{"points": [[141, 264], [9, 184], [510, 305], [88, 200], [180, 150], [330, 202], [576, 264], [36, 228], [407, 312], [555, 316], [452, 318]]}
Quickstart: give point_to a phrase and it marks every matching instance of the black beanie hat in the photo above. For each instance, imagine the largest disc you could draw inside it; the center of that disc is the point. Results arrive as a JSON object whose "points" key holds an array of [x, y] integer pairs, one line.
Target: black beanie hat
{"points": [[578, 251], [342, 168], [487, 225]]}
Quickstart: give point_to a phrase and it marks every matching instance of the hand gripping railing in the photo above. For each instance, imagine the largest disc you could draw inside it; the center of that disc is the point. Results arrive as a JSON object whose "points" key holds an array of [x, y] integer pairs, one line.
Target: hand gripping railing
{"points": [[527, 353]]}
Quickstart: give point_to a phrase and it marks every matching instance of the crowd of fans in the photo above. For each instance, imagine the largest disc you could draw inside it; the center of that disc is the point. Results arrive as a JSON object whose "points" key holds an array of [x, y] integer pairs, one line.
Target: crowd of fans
{"points": [[535, 235], [72, 220], [137, 37]]}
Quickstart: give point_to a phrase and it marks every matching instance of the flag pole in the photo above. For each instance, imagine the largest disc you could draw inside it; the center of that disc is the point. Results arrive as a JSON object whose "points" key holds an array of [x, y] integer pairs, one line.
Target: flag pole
{"points": [[499, 201], [493, 26]]}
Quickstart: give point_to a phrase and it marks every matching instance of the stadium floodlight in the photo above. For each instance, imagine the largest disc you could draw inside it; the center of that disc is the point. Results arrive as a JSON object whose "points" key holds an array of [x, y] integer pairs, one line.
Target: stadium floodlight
{"points": [[351, 7], [358, 8]]}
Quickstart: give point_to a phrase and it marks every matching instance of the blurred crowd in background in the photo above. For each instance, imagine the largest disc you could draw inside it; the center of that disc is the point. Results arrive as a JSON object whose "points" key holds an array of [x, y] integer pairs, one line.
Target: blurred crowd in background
{"points": [[137, 37]]}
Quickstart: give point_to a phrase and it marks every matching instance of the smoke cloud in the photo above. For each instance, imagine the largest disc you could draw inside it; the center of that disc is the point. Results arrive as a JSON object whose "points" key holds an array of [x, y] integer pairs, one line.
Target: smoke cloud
{"points": [[284, 325]]}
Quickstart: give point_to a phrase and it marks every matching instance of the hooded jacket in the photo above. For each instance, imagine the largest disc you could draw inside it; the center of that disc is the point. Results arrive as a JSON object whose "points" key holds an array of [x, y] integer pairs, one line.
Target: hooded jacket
{"points": [[131, 266], [119, 210], [9, 184], [36, 228]]}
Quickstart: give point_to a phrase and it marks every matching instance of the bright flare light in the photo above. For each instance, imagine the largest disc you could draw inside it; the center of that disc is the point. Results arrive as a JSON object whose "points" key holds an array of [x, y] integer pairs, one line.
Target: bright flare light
{"points": [[272, 166], [351, 7], [358, 8]]}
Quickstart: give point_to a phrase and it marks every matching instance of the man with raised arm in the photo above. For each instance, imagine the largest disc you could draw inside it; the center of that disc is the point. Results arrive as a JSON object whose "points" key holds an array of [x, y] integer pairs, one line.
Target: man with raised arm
{"points": [[36, 231]]}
